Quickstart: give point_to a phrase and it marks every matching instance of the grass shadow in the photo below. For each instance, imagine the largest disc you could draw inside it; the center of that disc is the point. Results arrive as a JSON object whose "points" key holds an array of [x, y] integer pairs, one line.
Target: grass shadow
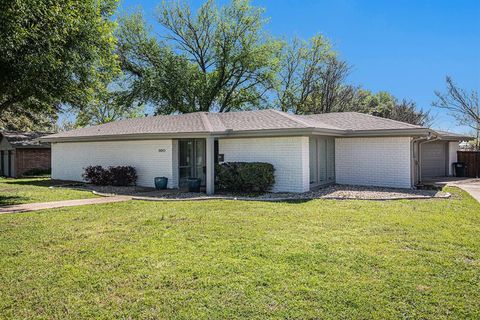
{"points": [[40, 182], [35, 183], [10, 200]]}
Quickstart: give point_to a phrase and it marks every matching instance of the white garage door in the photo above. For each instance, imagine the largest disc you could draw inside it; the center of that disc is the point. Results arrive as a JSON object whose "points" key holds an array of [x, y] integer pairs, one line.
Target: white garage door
{"points": [[434, 159]]}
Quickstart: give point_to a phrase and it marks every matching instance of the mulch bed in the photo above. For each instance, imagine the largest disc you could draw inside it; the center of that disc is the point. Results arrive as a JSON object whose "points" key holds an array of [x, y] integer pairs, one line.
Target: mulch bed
{"points": [[328, 192]]}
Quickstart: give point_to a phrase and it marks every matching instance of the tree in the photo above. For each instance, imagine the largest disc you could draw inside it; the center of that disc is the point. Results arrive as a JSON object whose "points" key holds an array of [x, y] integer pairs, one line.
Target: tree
{"points": [[300, 66], [406, 111], [54, 53], [331, 94], [18, 119], [218, 59], [385, 105], [311, 78], [108, 106], [462, 105]]}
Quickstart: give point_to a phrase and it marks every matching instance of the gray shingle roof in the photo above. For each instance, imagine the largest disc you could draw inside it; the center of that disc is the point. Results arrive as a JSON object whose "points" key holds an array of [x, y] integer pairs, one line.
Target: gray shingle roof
{"points": [[25, 139], [232, 122], [355, 121], [453, 136], [191, 122]]}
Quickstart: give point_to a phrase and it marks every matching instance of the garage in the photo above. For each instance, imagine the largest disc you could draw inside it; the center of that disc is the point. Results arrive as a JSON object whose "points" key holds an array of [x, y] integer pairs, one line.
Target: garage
{"points": [[434, 159]]}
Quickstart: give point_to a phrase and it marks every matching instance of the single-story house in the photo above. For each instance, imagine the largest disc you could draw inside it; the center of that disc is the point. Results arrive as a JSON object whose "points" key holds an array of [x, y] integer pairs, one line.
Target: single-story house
{"points": [[21, 152], [306, 150]]}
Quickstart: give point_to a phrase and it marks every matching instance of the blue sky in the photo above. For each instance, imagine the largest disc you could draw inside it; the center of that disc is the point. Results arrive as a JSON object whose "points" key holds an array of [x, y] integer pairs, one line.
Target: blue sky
{"points": [[404, 47]]}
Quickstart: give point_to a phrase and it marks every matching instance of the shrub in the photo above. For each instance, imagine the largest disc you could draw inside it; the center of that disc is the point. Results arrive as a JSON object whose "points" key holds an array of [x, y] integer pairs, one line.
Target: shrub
{"points": [[97, 175], [122, 175], [35, 172], [255, 177], [114, 176]]}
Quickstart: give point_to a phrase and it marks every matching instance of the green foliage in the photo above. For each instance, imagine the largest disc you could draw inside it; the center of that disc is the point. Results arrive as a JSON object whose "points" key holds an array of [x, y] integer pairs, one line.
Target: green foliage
{"points": [[17, 118], [107, 106], [306, 75], [65, 55], [37, 172], [111, 176], [245, 176], [54, 52], [218, 59], [385, 105]]}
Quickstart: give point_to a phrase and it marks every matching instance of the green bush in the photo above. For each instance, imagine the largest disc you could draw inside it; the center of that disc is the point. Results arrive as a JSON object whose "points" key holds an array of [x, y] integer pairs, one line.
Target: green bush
{"points": [[111, 176], [35, 172], [257, 177]]}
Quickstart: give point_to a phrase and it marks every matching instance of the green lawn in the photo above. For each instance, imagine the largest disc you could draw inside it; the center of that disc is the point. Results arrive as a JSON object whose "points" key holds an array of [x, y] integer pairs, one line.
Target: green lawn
{"points": [[322, 259], [17, 191]]}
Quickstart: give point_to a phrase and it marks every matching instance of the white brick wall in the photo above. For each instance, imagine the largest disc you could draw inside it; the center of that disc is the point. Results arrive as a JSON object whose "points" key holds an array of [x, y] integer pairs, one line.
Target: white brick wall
{"points": [[289, 156], [381, 162], [69, 159], [452, 155]]}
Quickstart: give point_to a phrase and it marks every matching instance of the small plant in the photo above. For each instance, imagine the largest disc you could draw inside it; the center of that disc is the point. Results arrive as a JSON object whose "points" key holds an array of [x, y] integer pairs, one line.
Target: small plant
{"points": [[36, 172], [113, 176], [257, 177], [97, 175], [122, 175]]}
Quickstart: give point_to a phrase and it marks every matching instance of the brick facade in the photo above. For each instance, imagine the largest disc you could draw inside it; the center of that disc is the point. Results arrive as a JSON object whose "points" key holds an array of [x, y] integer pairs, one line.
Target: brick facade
{"points": [[289, 156], [151, 158], [31, 158], [383, 162]]}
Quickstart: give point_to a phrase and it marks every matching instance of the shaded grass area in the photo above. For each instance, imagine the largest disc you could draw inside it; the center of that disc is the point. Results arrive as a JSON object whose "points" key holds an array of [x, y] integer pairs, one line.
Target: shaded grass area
{"points": [[321, 259], [17, 191]]}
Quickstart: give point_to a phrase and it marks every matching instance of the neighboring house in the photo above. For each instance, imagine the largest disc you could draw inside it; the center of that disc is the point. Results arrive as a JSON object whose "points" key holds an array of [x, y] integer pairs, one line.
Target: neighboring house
{"points": [[21, 152], [306, 151]]}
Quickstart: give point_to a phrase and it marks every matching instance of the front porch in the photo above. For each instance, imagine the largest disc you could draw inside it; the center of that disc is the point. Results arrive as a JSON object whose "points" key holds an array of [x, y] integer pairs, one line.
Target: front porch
{"points": [[197, 159]]}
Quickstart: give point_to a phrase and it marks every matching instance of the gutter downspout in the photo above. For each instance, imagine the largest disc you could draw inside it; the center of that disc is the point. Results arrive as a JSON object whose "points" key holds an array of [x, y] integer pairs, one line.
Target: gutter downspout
{"points": [[415, 161]]}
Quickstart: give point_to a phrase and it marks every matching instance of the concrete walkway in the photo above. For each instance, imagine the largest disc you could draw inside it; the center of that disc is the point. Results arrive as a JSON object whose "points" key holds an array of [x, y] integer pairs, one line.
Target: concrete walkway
{"points": [[472, 186], [60, 204]]}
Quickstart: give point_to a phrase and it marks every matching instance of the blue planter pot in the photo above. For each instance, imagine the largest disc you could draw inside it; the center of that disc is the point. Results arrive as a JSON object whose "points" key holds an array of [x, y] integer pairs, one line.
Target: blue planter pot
{"points": [[161, 183], [194, 184]]}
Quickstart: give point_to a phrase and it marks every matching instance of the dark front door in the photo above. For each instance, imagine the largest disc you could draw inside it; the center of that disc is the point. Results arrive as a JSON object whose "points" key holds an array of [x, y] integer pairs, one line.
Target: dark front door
{"points": [[191, 160], [10, 163], [2, 163]]}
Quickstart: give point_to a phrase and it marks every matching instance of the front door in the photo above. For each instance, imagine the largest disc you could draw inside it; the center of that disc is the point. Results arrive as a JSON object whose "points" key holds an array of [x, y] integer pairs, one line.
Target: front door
{"points": [[191, 158]]}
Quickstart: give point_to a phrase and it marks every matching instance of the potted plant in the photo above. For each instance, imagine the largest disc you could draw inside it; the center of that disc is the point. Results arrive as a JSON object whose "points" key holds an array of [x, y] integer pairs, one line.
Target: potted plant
{"points": [[194, 184], [161, 183]]}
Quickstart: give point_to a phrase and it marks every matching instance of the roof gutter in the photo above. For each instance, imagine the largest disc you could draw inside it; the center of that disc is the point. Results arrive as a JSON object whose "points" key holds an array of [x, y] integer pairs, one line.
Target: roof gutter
{"points": [[229, 133]]}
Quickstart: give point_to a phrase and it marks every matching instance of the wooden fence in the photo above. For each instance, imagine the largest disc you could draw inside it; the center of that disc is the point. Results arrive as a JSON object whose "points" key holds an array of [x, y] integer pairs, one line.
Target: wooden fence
{"points": [[472, 160]]}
